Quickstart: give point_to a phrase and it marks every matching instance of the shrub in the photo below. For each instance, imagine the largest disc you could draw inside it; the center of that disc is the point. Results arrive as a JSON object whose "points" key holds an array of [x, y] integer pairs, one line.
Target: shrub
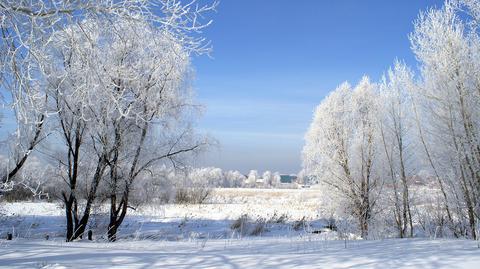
{"points": [[18, 193], [194, 195], [259, 227], [244, 225], [278, 219], [300, 224], [240, 224]]}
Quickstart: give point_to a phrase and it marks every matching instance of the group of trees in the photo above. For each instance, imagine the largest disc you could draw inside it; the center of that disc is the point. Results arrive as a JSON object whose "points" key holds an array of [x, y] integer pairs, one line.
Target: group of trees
{"points": [[161, 184], [267, 179], [213, 177], [368, 141], [193, 185], [102, 90]]}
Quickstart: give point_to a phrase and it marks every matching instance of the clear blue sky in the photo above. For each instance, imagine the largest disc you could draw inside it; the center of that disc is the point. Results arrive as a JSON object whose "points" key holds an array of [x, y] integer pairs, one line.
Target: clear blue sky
{"points": [[274, 61]]}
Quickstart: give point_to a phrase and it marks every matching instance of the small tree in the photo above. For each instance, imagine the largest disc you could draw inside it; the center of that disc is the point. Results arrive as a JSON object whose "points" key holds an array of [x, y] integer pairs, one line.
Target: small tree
{"points": [[252, 178]]}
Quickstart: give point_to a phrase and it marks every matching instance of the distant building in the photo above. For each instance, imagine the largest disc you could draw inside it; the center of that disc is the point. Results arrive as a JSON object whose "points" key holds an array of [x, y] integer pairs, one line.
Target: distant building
{"points": [[288, 179]]}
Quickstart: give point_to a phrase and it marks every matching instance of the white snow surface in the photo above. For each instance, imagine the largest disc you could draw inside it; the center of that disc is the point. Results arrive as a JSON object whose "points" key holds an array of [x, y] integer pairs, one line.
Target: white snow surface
{"points": [[200, 236], [175, 222], [296, 252]]}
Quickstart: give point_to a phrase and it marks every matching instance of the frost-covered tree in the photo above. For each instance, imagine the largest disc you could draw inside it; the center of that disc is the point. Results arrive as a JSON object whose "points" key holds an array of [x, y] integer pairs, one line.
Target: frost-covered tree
{"points": [[448, 103], [208, 177], [276, 179], [235, 179], [268, 178], [342, 148], [32, 179], [251, 178], [27, 28], [120, 87], [360, 137], [396, 130]]}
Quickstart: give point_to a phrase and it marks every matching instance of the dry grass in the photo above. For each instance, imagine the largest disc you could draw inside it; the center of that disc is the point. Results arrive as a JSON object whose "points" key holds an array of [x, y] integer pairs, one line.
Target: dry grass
{"points": [[275, 205]]}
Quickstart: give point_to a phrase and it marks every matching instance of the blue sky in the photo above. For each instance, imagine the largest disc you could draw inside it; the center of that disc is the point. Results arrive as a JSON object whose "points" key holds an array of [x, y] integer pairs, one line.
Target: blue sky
{"points": [[274, 61]]}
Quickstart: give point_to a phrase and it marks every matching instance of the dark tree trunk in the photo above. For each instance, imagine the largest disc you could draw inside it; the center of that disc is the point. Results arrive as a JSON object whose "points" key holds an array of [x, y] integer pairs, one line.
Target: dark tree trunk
{"points": [[82, 224], [364, 219], [71, 214], [76, 227], [117, 215], [70, 225], [112, 232], [90, 235]]}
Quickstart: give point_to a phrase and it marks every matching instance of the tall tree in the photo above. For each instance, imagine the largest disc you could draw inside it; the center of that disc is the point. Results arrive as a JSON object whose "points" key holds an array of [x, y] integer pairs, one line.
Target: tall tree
{"points": [[397, 139], [449, 97], [341, 148], [119, 85], [26, 29]]}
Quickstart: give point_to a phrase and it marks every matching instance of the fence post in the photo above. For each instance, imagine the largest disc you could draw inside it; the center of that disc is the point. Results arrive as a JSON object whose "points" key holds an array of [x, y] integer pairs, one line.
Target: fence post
{"points": [[90, 235]]}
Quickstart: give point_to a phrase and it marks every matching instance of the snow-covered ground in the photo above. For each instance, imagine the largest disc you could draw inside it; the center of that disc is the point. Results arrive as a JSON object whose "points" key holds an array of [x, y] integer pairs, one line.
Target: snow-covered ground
{"points": [[179, 222], [201, 236], [296, 252]]}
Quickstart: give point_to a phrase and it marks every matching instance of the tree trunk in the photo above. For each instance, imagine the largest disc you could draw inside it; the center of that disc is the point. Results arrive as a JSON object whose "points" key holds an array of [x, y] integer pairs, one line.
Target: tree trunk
{"points": [[112, 232], [70, 226], [117, 215], [437, 176], [364, 226], [81, 225], [112, 226]]}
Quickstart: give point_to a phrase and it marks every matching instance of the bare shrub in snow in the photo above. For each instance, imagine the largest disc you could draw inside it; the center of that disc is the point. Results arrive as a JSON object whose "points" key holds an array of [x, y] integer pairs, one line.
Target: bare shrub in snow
{"points": [[278, 219], [241, 225], [259, 227], [192, 195], [300, 224]]}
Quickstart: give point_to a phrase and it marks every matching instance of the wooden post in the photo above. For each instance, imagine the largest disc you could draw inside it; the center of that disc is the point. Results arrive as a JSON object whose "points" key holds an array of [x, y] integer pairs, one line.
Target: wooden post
{"points": [[90, 235]]}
